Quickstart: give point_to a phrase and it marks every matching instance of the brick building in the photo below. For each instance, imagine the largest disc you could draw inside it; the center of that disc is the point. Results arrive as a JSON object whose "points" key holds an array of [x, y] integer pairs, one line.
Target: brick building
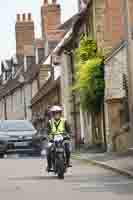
{"points": [[103, 19], [50, 91], [108, 20], [114, 21], [110, 25], [51, 20], [20, 74]]}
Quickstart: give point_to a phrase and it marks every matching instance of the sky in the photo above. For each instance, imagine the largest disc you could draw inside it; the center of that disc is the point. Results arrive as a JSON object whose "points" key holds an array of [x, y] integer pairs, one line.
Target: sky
{"points": [[8, 11]]}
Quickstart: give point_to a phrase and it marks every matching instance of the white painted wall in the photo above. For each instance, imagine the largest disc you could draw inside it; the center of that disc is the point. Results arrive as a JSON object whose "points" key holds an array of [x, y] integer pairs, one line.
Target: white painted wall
{"points": [[65, 86], [15, 103], [114, 70], [34, 88]]}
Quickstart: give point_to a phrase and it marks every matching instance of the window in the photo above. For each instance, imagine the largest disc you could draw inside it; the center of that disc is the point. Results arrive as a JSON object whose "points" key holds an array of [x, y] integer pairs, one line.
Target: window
{"points": [[30, 60], [41, 54]]}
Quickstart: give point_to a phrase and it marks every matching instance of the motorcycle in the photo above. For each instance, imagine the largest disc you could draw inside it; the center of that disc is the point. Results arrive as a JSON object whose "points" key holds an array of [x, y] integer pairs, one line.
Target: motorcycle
{"points": [[58, 154]]}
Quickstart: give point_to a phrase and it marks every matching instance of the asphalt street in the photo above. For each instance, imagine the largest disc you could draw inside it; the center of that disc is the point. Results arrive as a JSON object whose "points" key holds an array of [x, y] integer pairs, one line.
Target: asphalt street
{"points": [[26, 179]]}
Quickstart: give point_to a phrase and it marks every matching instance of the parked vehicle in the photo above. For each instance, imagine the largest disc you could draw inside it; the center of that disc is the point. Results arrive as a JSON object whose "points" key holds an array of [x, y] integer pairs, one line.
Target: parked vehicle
{"points": [[18, 136], [3, 145]]}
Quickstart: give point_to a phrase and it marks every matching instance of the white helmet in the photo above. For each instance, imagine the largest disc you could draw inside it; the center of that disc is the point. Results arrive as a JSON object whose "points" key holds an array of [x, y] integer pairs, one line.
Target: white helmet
{"points": [[56, 109]]}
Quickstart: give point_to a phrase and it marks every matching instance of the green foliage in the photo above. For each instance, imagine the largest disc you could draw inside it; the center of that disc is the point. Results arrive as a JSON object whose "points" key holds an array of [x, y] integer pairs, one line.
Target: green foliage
{"points": [[89, 76]]}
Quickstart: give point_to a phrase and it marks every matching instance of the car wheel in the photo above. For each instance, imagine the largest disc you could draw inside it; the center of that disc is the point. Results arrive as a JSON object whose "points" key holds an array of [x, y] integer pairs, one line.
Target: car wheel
{"points": [[1, 155]]}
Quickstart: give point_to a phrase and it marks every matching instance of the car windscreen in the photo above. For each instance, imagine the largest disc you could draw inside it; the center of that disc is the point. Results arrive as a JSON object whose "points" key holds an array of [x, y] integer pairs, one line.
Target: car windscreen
{"points": [[16, 126]]}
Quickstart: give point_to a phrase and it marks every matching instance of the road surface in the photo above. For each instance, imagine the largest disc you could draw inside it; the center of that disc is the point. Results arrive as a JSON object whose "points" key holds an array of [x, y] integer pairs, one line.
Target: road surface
{"points": [[26, 179]]}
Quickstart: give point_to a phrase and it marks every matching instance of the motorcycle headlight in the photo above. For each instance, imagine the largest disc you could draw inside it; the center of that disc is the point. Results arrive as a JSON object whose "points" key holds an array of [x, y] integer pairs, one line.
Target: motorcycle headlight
{"points": [[58, 144]]}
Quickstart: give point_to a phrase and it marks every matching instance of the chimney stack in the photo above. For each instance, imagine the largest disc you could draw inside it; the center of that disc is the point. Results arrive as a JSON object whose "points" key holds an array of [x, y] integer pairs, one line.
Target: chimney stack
{"points": [[24, 17], [51, 16], [54, 1], [18, 17], [29, 16], [45, 1]]}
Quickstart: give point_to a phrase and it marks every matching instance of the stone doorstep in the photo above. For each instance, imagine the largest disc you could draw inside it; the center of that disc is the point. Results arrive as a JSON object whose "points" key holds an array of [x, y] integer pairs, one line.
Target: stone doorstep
{"points": [[109, 165]]}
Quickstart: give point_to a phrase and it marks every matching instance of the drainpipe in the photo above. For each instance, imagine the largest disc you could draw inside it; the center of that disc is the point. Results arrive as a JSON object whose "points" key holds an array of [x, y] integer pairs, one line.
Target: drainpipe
{"points": [[25, 106], [51, 68], [74, 101], [104, 129], [58, 94], [5, 109]]}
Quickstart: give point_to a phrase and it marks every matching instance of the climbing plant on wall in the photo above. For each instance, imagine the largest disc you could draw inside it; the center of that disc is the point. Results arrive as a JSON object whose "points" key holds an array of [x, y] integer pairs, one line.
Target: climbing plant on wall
{"points": [[89, 75]]}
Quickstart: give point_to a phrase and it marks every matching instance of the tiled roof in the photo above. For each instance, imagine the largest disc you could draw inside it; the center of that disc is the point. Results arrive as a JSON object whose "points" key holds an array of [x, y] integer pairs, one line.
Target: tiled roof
{"points": [[77, 22], [116, 49], [9, 87], [12, 84], [32, 72], [68, 24], [45, 89], [9, 63]]}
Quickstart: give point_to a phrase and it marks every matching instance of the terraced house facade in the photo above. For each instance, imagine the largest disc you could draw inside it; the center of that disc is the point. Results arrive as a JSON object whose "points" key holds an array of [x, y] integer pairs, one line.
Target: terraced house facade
{"points": [[104, 21]]}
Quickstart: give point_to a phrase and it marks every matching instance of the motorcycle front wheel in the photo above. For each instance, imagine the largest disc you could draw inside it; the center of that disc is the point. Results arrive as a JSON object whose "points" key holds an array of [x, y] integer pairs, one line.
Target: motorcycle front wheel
{"points": [[60, 169]]}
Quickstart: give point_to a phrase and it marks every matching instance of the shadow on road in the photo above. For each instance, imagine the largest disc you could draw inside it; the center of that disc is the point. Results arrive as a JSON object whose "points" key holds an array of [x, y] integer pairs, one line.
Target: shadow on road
{"points": [[33, 178]]}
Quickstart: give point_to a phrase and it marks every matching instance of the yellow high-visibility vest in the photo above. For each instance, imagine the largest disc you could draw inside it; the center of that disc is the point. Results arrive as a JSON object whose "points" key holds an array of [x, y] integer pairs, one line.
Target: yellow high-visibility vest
{"points": [[57, 127]]}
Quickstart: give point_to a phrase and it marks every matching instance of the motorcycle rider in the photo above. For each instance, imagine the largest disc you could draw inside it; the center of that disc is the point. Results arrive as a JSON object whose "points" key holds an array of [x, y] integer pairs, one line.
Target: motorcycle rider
{"points": [[57, 125]]}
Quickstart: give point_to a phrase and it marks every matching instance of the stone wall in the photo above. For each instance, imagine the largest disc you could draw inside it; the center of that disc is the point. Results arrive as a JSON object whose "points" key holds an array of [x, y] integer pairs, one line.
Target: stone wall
{"points": [[115, 67]]}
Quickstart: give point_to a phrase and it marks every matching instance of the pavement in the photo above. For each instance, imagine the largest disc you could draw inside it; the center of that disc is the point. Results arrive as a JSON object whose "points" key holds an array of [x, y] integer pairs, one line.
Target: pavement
{"points": [[26, 179], [118, 162]]}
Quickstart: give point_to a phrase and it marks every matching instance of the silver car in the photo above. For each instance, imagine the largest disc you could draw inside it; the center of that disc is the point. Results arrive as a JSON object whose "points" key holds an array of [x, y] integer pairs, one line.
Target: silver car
{"points": [[18, 136], [3, 144]]}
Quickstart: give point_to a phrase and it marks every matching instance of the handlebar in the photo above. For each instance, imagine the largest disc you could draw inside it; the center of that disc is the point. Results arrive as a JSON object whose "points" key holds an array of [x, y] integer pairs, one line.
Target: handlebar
{"points": [[65, 137]]}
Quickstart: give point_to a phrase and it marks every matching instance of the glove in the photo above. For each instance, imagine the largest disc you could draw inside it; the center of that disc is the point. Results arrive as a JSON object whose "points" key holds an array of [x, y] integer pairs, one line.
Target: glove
{"points": [[67, 137]]}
